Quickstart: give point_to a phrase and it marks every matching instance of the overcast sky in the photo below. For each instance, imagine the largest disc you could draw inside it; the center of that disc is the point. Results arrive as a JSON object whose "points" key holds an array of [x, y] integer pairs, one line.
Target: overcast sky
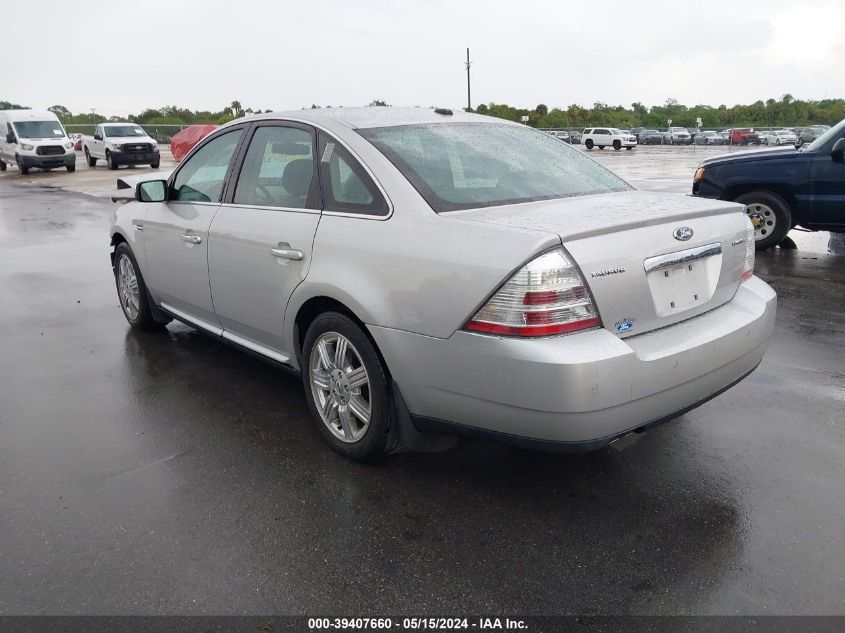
{"points": [[121, 57]]}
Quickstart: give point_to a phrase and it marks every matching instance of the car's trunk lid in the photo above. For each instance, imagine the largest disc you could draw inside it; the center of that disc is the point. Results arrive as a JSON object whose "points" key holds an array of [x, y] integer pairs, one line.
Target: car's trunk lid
{"points": [[642, 277]]}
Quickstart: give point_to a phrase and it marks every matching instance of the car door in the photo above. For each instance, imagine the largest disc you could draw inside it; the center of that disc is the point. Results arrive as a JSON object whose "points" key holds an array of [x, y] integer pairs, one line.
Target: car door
{"points": [[261, 238], [97, 143], [175, 232], [827, 187]]}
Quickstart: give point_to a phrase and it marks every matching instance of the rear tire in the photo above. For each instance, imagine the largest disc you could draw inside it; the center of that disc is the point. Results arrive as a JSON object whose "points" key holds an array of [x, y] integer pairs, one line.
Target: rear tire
{"points": [[588, 143], [771, 216], [92, 162], [342, 388], [110, 161], [629, 148], [2, 165]]}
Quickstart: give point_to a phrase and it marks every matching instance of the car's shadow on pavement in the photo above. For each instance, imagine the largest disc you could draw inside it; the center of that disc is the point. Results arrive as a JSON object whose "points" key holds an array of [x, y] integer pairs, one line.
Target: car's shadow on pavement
{"points": [[477, 527]]}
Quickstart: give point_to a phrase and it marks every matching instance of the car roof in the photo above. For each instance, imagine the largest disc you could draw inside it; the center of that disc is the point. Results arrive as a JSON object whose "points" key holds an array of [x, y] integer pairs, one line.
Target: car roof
{"points": [[374, 116], [30, 115]]}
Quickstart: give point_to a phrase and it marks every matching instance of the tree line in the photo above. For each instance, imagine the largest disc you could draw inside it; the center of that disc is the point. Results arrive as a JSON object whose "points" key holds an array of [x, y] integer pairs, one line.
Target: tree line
{"points": [[782, 112], [785, 112]]}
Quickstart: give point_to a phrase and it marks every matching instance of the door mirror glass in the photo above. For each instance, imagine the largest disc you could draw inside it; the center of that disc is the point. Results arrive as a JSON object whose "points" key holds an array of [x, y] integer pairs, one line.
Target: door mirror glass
{"points": [[152, 191], [838, 151]]}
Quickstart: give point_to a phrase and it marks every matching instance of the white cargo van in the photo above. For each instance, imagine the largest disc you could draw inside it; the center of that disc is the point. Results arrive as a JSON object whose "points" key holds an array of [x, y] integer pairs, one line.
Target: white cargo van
{"points": [[31, 138]]}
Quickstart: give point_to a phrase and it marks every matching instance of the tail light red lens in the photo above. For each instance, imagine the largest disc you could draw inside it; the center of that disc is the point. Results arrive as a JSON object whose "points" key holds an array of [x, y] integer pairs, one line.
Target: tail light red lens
{"points": [[545, 297]]}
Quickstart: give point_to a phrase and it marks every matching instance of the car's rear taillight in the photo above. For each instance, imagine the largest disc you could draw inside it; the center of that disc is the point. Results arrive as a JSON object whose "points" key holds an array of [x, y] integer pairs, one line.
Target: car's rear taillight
{"points": [[748, 266], [545, 297]]}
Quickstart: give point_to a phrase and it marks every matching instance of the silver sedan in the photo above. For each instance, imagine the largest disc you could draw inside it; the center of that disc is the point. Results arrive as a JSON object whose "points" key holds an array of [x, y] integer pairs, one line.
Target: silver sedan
{"points": [[436, 272]]}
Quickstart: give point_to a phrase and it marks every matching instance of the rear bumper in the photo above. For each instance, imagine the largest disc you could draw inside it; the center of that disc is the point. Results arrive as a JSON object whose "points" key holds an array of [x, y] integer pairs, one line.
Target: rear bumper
{"points": [[59, 160], [578, 392]]}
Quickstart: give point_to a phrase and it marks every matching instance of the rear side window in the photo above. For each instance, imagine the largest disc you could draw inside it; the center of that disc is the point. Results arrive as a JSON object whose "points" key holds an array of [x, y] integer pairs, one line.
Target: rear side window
{"points": [[469, 165], [347, 187], [203, 175], [278, 169]]}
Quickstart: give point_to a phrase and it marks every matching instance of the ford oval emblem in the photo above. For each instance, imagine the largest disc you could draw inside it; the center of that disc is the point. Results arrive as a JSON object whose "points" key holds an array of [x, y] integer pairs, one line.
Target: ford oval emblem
{"points": [[683, 233]]}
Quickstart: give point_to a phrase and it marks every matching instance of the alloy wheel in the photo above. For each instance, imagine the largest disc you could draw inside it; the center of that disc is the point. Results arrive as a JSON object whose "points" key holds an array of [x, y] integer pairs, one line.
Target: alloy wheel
{"points": [[340, 386], [127, 284]]}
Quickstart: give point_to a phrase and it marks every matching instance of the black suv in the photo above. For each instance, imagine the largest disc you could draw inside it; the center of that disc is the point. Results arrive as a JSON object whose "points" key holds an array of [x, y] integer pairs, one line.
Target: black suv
{"points": [[783, 187]]}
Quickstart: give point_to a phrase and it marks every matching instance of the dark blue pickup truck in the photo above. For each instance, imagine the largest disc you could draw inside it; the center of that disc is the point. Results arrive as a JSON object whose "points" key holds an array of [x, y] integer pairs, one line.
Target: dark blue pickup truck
{"points": [[782, 188]]}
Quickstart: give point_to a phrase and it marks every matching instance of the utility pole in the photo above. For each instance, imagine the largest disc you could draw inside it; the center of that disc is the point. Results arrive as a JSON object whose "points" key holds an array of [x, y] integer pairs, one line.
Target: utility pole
{"points": [[469, 99]]}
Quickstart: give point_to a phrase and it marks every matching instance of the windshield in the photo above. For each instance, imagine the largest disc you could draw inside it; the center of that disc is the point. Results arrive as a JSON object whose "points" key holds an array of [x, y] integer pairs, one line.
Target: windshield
{"points": [[614, 130], [651, 132], [123, 130], [836, 130], [39, 129], [469, 165]]}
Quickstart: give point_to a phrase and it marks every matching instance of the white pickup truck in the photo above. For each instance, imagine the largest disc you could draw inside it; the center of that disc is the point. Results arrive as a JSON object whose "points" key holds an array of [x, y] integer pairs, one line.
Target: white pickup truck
{"points": [[121, 144]]}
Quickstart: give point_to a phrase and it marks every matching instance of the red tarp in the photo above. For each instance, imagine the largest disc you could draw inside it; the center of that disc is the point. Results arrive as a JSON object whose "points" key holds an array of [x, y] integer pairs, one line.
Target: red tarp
{"points": [[184, 141]]}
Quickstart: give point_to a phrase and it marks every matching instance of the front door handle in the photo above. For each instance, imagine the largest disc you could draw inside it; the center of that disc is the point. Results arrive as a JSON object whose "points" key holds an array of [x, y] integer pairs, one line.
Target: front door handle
{"points": [[284, 251], [192, 239]]}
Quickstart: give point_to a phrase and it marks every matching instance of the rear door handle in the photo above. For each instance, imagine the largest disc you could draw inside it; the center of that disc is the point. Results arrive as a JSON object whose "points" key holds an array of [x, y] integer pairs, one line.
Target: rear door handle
{"points": [[284, 251], [192, 239]]}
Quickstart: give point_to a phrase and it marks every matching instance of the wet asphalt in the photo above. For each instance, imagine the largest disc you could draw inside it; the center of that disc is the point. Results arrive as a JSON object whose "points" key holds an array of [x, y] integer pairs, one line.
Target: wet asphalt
{"points": [[170, 474]]}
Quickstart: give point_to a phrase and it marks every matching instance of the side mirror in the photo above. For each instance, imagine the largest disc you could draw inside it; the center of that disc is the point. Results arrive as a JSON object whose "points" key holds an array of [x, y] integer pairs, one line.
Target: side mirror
{"points": [[837, 154], [98, 137], [151, 191], [10, 138]]}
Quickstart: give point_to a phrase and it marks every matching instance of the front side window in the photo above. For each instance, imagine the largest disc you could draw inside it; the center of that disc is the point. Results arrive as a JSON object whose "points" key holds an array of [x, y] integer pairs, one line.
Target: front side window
{"points": [[203, 175], [278, 169], [469, 165], [39, 129]]}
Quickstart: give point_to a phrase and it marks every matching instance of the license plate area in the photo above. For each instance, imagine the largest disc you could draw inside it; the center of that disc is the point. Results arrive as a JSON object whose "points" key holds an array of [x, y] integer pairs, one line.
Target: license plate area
{"points": [[685, 279]]}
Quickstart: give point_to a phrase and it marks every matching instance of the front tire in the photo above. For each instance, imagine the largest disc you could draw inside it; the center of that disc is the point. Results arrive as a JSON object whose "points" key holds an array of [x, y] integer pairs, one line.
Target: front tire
{"points": [[617, 145], [347, 387], [110, 161], [132, 291], [92, 162], [771, 216], [70, 168], [588, 143], [155, 165], [2, 165]]}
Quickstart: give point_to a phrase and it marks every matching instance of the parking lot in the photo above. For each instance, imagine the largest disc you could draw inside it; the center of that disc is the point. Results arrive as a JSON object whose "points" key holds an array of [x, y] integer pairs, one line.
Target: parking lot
{"points": [[169, 473]]}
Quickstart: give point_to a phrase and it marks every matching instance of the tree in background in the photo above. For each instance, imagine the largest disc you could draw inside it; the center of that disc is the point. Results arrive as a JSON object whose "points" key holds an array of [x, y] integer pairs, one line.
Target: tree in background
{"points": [[8, 105], [60, 111], [378, 102]]}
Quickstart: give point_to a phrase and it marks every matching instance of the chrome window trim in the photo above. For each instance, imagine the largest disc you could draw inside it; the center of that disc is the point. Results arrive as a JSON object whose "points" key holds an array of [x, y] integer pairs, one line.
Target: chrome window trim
{"points": [[679, 258], [263, 207]]}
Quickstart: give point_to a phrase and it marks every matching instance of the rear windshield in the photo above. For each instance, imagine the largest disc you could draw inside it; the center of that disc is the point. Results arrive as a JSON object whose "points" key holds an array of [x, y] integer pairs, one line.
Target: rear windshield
{"points": [[39, 129], [458, 166]]}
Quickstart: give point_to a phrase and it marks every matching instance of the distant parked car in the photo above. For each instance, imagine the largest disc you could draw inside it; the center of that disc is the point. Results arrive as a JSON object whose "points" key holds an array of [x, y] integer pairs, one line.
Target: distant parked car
{"points": [[651, 137], [726, 136], [121, 144], [562, 135], [636, 132], [575, 137], [184, 141], [810, 134], [783, 187], [709, 137], [602, 137], [677, 136], [779, 137], [744, 136]]}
